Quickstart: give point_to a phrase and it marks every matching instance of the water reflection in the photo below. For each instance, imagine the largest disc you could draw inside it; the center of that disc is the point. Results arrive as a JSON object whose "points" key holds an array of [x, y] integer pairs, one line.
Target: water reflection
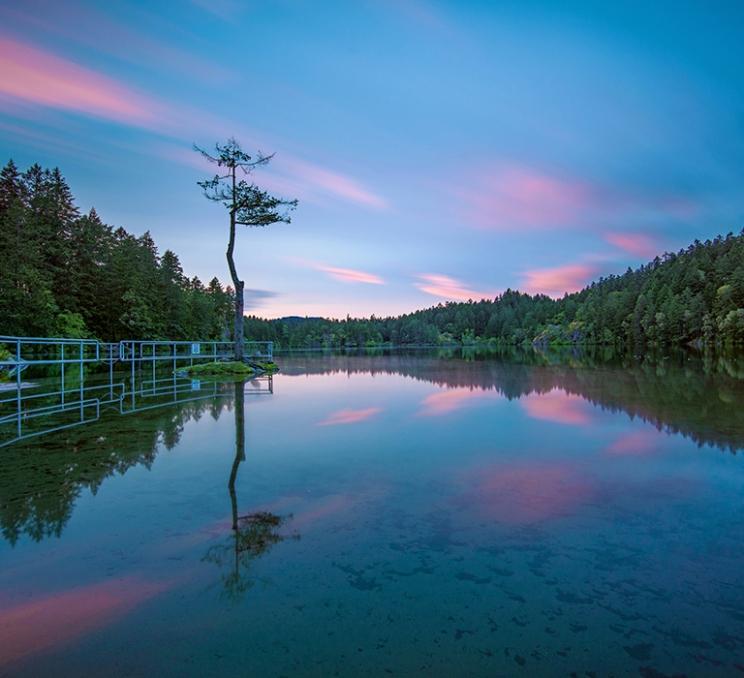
{"points": [[699, 397], [43, 477], [57, 619], [253, 534], [460, 515]]}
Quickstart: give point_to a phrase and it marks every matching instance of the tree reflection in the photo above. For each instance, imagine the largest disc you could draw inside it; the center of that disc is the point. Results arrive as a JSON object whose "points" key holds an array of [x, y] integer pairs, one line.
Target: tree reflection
{"points": [[698, 395], [42, 478], [253, 534]]}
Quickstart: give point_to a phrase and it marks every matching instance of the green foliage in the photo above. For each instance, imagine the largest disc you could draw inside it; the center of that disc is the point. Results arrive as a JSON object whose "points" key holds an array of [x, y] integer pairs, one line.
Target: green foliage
{"points": [[67, 274], [269, 367], [695, 296], [71, 325], [220, 369]]}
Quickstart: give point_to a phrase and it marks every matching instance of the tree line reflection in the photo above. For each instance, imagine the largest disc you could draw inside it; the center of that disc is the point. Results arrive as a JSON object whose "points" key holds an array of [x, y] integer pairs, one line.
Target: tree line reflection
{"points": [[697, 396], [700, 396]]}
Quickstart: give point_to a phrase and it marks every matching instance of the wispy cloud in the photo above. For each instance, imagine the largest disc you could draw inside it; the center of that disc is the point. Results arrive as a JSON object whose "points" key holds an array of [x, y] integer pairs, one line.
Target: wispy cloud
{"points": [[227, 10], [635, 443], [520, 493], [555, 282], [349, 416], [48, 621], [349, 275], [288, 176], [450, 400], [518, 197], [254, 299], [450, 289], [637, 244], [89, 27], [34, 75], [557, 406], [510, 197], [331, 182]]}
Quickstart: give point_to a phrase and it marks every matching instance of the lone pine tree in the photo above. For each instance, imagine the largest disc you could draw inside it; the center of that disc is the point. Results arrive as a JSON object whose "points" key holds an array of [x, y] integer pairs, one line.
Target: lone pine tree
{"points": [[247, 205]]}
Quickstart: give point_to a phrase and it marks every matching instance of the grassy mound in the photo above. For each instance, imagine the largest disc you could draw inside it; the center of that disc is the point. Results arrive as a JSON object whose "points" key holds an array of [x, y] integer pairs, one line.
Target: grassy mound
{"points": [[269, 367], [220, 369]]}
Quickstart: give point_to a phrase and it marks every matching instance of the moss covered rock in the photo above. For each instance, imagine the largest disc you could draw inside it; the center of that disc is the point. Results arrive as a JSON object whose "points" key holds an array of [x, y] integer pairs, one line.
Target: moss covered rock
{"points": [[220, 369], [269, 367]]}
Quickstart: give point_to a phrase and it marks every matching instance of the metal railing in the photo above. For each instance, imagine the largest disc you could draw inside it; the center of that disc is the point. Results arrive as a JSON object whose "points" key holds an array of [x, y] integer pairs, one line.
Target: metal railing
{"points": [[140, 351], [25, 351], [36, 414], [28, 414]]}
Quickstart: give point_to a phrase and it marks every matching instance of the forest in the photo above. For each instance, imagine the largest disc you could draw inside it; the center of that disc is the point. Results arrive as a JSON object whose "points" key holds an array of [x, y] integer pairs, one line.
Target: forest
{"points": [[70, 274], [694, 296]]}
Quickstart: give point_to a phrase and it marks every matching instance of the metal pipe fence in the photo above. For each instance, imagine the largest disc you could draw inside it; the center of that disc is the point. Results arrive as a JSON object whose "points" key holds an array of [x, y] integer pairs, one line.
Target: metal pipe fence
{"points": [[25, 414]]}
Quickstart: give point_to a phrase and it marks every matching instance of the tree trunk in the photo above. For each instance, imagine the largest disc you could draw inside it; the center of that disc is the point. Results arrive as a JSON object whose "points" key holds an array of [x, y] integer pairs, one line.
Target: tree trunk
{"points": [[239, 448], [239, 457], [237, 282], [239, 320]]}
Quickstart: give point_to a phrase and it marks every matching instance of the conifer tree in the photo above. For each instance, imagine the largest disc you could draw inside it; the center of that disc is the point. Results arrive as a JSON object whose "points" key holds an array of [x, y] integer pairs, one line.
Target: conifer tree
{"points": [[247, 205]]}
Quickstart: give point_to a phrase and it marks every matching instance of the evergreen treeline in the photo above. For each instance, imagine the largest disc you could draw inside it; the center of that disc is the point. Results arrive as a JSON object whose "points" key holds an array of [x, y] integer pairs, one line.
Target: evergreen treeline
{"points": [[691, 297], [69, 274]]}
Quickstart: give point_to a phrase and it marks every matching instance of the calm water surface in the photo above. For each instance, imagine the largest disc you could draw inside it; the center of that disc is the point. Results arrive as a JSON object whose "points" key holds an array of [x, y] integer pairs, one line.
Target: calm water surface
{"points": [[396, 514]]}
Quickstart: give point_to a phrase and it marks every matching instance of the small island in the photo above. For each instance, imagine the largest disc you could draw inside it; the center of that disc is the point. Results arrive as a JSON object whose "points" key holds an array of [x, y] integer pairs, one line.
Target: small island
{"points": [[230, 368]]}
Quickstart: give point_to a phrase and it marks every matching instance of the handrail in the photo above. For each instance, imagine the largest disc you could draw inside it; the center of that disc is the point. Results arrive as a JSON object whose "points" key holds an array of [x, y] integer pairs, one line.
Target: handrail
{"points": [[61, 352], [72, 351]]}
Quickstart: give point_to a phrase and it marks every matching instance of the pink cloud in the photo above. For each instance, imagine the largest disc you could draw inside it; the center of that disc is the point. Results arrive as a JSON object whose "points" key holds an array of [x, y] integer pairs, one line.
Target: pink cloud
{"points": [[334, 183], [86, 25], [307, 510], [57, 619], [451, 399], [558, 406], [450, 289], [509, 197], [350, 275], [286, 175], [350, 416], [638, 244], [635, 443], [328, 506], [518, 197], [33, 75], [520, 493], [555, 282]]}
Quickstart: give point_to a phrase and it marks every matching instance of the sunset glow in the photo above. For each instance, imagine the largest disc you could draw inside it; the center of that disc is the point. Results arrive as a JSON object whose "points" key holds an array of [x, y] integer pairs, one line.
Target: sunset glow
{"points": [[56, 619], [349, 416], [408, 196]]}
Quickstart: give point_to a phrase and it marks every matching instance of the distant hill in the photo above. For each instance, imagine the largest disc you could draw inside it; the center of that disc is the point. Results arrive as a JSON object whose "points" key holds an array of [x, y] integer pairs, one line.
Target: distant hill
{"points": [[694, 296], [297, 319]]}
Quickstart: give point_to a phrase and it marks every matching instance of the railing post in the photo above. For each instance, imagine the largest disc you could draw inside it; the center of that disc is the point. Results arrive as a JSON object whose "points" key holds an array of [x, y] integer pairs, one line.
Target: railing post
{"points": [[18, 384], [82, 395], [63, 373]]}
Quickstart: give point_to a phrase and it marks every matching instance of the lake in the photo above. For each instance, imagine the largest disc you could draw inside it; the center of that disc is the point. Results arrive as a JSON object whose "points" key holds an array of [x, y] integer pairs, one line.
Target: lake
{"points": [[437, 513]]}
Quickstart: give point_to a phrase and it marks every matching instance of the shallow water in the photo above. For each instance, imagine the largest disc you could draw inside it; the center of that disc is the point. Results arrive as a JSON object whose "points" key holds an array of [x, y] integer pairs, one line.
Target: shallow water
{"points": [[455, 515]]}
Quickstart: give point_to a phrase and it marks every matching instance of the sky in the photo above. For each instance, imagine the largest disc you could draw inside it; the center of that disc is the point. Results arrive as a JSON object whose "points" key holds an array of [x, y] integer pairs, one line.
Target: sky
{"points": [[439, 150]]}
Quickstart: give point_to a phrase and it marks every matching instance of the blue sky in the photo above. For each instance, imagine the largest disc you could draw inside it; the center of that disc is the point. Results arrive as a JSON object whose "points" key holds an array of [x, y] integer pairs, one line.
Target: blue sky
{"points": [[439, 150]]}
